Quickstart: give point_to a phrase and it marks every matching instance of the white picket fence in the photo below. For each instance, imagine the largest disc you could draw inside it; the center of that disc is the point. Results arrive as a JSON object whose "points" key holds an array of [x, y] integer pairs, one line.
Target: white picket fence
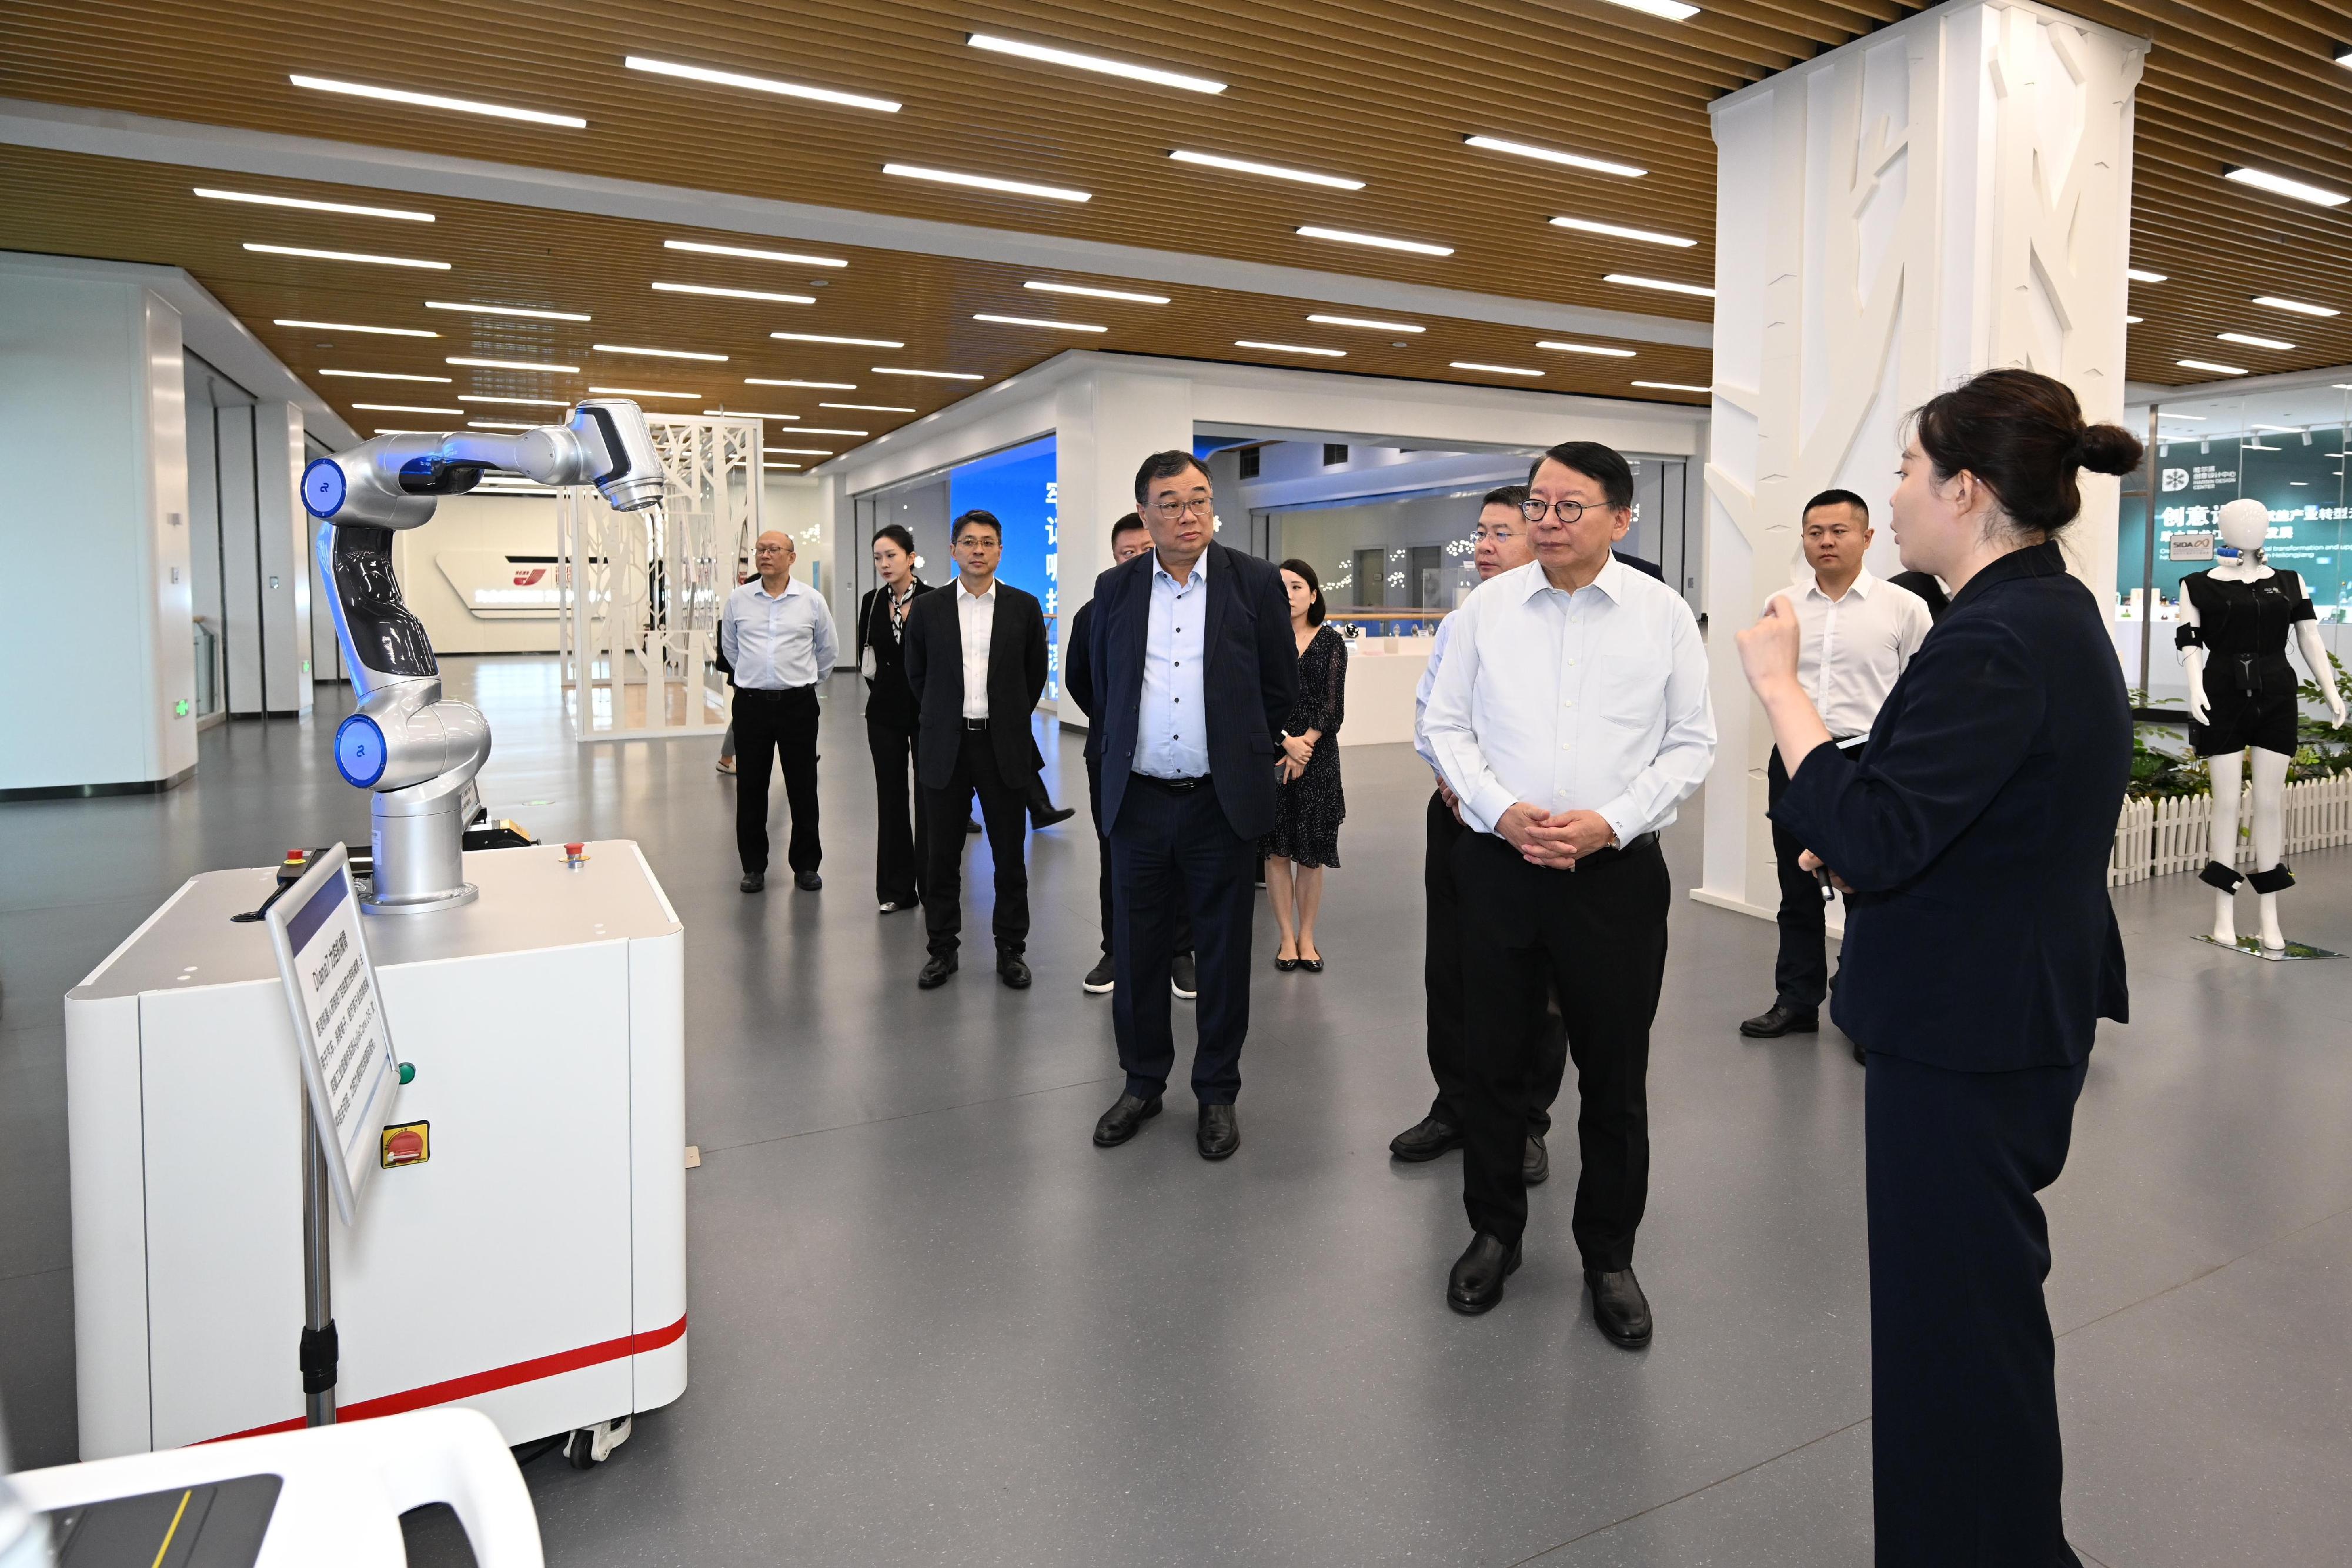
{"points": [[2158, 838]]}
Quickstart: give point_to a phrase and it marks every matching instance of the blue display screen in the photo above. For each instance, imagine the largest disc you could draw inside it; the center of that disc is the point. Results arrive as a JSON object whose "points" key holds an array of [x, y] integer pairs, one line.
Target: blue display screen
{"points": [[1021, 487], [2300, 477]]}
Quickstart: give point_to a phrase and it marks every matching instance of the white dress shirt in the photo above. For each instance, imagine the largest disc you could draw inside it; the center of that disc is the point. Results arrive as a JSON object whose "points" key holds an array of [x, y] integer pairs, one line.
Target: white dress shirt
{"points": [[1592, 701], [1171, 730], [775, 642], [1420, 694], [975, 620], [1850, 650]]}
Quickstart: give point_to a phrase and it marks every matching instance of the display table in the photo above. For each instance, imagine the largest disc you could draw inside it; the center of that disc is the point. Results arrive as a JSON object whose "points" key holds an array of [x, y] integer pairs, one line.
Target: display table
{"points": [[522, 1251], [1383, 673]]}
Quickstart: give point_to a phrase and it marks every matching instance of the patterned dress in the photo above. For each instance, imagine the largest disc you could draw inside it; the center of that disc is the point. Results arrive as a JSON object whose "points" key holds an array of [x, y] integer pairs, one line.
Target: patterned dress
{"points": [[1307, 818]]}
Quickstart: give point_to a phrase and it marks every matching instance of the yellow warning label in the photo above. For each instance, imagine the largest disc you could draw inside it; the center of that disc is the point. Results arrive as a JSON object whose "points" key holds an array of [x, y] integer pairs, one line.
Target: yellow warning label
{"points": [[409, 1144]]}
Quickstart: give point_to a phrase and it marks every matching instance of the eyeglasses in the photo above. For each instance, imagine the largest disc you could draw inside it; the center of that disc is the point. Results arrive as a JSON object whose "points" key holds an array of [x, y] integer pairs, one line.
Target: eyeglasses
{"points": [[1566, 511], [1172, 508]]}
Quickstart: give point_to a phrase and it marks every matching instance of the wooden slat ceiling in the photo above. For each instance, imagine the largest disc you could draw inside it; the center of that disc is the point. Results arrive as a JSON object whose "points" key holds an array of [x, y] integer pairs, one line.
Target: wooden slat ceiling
{"points": [[1379, 90]]}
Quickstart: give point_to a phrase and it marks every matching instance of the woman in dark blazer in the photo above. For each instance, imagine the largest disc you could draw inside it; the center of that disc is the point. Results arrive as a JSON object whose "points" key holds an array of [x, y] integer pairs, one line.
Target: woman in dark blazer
{"points": [[900, 836], [1973, 832]]}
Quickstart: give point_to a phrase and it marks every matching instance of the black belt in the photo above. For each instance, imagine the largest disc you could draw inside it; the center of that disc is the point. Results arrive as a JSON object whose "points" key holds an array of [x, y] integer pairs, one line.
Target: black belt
{"points": [[772, 691], [1172, 786], [975, 724]]}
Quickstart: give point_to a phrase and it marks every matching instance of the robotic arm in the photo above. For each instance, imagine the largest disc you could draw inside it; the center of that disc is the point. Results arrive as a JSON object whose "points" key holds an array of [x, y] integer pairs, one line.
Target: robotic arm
{"points": [[417, 750]]}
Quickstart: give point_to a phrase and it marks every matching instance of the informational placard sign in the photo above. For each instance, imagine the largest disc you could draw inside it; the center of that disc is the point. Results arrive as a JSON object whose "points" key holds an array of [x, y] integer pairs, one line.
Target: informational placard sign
{"points": [[348, 1066]]}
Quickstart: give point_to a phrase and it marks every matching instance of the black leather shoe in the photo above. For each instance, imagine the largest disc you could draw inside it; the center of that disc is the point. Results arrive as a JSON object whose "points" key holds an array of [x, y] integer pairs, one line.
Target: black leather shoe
{"points": [[807, 881], [1424, 1140], [1183, 977], [753, 881], [1860, 1059], [1536, 1164], [1100, 978], [1220, 1132], [1780, 1018], [1047, 818], [1619, 1307], [1476, 1282], [1124, 1119], [937, 970], [1012, 971]]}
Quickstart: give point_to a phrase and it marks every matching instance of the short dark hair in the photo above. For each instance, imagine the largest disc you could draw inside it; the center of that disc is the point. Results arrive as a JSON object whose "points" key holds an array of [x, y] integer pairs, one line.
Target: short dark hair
{"points": [[2021, 434], [986, 519], [1127, 524], [1836, 499], [1305, 574], [1600, 464], [898, 534], [1163, 465], [1511, 495]]}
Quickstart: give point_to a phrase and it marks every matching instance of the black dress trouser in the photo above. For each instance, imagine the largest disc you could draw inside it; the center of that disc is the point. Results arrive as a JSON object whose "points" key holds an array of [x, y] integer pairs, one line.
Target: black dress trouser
{"points": [[1800, 976], [901, 827], [1004, 811], [1966, 1462], [1441, 974], [1184, 939], [1599, 934], [773, 727], [1174, 850]]}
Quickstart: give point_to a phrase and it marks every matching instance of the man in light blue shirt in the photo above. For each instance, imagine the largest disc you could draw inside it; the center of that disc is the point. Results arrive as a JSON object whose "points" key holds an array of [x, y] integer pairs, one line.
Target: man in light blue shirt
{"points": [[1173, 727], [777, 635]]}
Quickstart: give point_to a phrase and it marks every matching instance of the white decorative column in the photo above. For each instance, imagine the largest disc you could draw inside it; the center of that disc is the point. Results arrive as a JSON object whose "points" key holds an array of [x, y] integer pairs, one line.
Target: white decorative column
{"points": [[1949, 193], [282, 558], [1106, 423]]}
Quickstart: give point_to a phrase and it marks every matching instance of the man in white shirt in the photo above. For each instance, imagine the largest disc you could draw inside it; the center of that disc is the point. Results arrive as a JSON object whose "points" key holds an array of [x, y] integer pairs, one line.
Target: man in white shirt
{"points": [[1570, 718], [1858, 633], [778, 637], [1503, 539]]}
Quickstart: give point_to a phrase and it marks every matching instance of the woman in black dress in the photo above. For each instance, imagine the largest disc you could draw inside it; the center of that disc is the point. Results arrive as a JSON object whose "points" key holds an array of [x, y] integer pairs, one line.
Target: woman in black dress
{"points": [[1307, 818]]}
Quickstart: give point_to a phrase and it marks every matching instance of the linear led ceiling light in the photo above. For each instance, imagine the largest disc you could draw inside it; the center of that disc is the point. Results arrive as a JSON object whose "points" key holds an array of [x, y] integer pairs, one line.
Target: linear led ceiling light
{"points": [[1271, 171], [746, 413], [311, 206], [1631, 281], [1672, 10], [540, 365], [2210, 365], [791, 467], [701, 248], [868, 407], [2281, 429], [1492, 370], [1033, 321], [437, 100], [1672, 386], [499, 425], [403, 408], [829, 429], [2142, 274], [1551, 155], [1097, 293], [640, 391], [353, 326], [821, 337], [735, 293], [1110, 67], [505, 311], [758, 83], [382, 376], [2134, 320], [1585, 349], [2167, 414], [1619, 231], [2280, 185], [934, 375], [2297, 305], [518, 401], [987, 183], [828, 386], [1366, 323], [1347, 236], [347, 256], [2251, 341], [803, 450], [1290, 348], [657, 353]]}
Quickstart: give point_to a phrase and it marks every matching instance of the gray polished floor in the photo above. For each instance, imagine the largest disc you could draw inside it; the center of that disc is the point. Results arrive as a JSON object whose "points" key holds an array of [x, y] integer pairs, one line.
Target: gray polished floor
{"points": [[933, 1325]]}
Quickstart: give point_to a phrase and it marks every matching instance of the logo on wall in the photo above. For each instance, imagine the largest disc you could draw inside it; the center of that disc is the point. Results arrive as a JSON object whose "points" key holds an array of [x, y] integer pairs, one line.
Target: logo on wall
{"points": [[526, 576], [2175, 479]]}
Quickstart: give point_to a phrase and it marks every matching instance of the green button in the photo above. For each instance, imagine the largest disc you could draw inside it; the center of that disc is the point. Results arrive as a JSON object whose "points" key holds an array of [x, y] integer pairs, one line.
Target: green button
{"points": [[408, 1072]]}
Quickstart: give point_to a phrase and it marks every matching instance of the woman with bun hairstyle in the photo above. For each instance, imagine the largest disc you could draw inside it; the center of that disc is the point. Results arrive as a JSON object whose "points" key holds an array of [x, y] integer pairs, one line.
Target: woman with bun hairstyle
{"points": [[1972, 834]]}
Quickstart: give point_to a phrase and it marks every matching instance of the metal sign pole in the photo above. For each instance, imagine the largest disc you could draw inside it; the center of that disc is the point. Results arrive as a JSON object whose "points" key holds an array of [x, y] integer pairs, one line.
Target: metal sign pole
{"points": [[2147, 562], [318, 1350]]}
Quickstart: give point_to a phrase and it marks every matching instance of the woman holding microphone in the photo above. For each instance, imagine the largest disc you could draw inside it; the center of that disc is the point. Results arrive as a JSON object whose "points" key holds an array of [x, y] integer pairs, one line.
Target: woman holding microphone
{"points": [[1973, 834]]}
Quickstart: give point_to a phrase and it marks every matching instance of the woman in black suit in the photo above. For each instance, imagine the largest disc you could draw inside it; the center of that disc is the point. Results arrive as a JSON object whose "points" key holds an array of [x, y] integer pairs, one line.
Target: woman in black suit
{"points": [[1973, 833], [901, 837]]}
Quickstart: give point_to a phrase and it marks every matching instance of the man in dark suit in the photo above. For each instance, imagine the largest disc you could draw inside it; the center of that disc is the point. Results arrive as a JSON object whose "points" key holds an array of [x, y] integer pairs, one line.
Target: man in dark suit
{"points": [[1193, 671], [1128, 540], [975, 659]]}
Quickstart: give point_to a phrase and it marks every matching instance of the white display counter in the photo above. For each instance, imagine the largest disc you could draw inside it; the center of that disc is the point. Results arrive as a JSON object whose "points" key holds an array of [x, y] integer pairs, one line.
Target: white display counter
{"points": [[1383, 674]]}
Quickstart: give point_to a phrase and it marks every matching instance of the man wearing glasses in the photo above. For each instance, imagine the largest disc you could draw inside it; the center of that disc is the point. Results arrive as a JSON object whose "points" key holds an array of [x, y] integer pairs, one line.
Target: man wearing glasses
{"points": [[1193, 673], [1569, 718]]}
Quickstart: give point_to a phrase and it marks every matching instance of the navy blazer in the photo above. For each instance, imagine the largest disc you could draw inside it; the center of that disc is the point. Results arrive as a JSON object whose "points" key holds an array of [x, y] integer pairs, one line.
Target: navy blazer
{"points": [[1249, 686], [1975, 827]]}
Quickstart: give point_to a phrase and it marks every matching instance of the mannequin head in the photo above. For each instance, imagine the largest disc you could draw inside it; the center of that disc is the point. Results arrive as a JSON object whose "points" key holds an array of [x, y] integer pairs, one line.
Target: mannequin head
{"points": [[2245, 525]]}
